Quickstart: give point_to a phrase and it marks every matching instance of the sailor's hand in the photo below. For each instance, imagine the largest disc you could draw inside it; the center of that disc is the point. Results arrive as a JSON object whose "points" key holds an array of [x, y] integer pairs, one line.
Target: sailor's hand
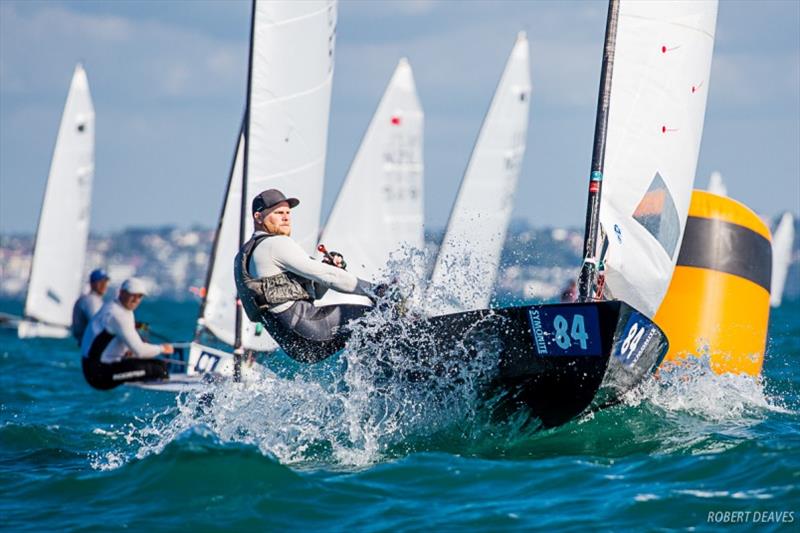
{"points": [[335, 259], [167, 349], [142, 326]]}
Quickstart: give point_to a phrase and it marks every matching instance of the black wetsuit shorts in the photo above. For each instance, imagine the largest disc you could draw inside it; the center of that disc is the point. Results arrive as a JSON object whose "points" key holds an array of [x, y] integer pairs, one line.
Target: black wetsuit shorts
{"points": [[319, 323], [105, 376]]}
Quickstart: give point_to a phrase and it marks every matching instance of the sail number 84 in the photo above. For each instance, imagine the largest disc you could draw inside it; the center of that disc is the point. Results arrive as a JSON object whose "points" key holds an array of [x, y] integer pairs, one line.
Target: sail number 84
{"points": [[576, 333]]}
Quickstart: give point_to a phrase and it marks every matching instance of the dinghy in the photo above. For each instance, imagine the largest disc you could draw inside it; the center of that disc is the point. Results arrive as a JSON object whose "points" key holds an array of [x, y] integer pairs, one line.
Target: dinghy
{"points": [[556, 361], [281, 145], [379, 209], [716, 185], [59, 252]]}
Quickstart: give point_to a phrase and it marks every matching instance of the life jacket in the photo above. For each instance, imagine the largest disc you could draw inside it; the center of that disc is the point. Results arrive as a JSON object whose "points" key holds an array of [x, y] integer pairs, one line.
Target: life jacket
{"points": [[259, 295]]}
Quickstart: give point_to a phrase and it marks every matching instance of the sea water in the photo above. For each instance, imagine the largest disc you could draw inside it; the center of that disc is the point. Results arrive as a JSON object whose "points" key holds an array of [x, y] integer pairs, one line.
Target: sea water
{"points": [[350, 445]]}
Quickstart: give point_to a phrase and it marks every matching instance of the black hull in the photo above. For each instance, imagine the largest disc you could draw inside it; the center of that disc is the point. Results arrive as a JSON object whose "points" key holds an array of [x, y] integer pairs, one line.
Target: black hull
{"points": [[555, 361], [556, 382]]}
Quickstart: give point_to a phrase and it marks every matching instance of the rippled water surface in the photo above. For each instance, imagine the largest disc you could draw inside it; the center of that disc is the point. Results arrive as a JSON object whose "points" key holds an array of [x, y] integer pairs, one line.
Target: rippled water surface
{"points": [[348, 445]]}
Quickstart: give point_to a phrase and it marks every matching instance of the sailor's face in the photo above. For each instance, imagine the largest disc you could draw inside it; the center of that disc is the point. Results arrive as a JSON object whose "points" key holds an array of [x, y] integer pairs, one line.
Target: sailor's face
{"points": [[279, 220], [100, 286], [129, 300]]}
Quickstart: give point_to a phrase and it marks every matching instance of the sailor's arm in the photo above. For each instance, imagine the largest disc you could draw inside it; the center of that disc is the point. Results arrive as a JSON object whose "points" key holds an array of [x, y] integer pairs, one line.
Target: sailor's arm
{"points": [[288, 255], [78, 319], [125, 327]]}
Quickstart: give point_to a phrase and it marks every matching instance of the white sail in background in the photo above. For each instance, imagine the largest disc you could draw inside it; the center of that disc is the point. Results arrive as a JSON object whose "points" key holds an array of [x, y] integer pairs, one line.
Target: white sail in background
{"points": [[58, 260], [379, 209], [716, 185], [219, 309], [782, 243], [659, 87], [290, 95], [466, 266]]}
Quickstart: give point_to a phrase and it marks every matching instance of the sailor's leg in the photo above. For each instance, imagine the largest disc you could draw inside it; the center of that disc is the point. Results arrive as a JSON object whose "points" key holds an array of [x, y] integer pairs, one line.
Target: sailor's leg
{"points": [[137, 370], [320, 323], [96, 375]]}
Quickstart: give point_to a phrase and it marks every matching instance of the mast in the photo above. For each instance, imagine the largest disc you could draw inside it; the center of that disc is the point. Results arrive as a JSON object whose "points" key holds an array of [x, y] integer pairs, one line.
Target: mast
{"points": [[590, 267], [238, 351], [215, 245]]}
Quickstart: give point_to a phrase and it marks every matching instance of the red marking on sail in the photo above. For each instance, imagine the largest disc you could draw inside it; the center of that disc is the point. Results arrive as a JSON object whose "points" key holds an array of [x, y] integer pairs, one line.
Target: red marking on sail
{"points": [[664, 49], [665, 129], [396, 120], [697, 87], [594, 186], [198, 291]]}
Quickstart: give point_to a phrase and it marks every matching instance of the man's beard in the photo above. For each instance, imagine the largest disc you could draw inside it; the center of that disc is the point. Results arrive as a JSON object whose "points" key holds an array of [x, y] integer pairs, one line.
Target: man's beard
{"points": [[279, 230]]}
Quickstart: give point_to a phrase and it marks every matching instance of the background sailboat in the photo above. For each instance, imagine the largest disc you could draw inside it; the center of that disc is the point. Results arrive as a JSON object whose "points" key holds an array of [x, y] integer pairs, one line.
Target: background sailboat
{"points": [[466, 266], [782, 243], [57, 268], [716, 185], [379, 209]]}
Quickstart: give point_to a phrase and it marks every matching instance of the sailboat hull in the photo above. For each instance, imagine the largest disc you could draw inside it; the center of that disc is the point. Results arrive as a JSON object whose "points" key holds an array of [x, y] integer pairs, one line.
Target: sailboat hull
{"points": [[193, 366], [27, 329], [556, 361]]}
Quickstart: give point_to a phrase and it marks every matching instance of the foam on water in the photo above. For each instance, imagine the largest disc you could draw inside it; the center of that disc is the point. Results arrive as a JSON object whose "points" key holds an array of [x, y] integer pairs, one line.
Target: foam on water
{"points": [[693, 387]]}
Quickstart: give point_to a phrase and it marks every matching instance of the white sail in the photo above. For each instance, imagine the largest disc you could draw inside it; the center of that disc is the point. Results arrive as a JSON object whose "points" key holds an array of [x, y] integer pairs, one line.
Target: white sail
{"points": [[219, 309], [660, 82], [782, 243], [716, 185], [58, 260], [466, 266], [379, 209], [290, 94]]}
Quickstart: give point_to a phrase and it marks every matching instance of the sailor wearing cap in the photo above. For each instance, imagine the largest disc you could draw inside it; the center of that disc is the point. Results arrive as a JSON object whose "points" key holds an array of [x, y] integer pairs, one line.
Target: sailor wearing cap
{"points": [[112, 350], [278, 282], [88, 304]]}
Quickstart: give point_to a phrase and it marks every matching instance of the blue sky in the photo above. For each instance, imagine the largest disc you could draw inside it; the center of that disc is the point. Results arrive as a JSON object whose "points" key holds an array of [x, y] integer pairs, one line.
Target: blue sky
{"points": [[168, 83]]}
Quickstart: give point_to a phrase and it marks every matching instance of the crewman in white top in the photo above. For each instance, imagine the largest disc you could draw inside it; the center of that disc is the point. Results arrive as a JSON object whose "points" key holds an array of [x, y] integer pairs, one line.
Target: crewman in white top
{"points": [[278, 282], [113, 353], [90, 303]]}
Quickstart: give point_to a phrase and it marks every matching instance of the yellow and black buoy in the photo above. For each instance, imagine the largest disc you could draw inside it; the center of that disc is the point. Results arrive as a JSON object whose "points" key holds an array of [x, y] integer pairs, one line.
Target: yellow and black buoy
{"points": [[718, 301]]}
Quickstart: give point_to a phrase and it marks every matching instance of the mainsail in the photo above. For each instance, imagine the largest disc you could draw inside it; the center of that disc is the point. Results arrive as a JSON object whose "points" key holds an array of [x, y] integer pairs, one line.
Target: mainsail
{"points": [[288, 109], [58, 260], [466, 266], [379, 209], [782, 243], [660, 81], [289, 100]]}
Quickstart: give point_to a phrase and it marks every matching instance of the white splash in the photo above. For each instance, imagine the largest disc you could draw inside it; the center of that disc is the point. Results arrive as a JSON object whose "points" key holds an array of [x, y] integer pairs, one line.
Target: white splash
{"points": [[396, 384]]}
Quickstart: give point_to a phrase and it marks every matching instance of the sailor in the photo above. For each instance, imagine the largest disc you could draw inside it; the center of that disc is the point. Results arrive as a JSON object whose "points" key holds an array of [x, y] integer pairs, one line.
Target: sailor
{"points": [[570, 292], [278, 283], [90, 303], [113, 353]]}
